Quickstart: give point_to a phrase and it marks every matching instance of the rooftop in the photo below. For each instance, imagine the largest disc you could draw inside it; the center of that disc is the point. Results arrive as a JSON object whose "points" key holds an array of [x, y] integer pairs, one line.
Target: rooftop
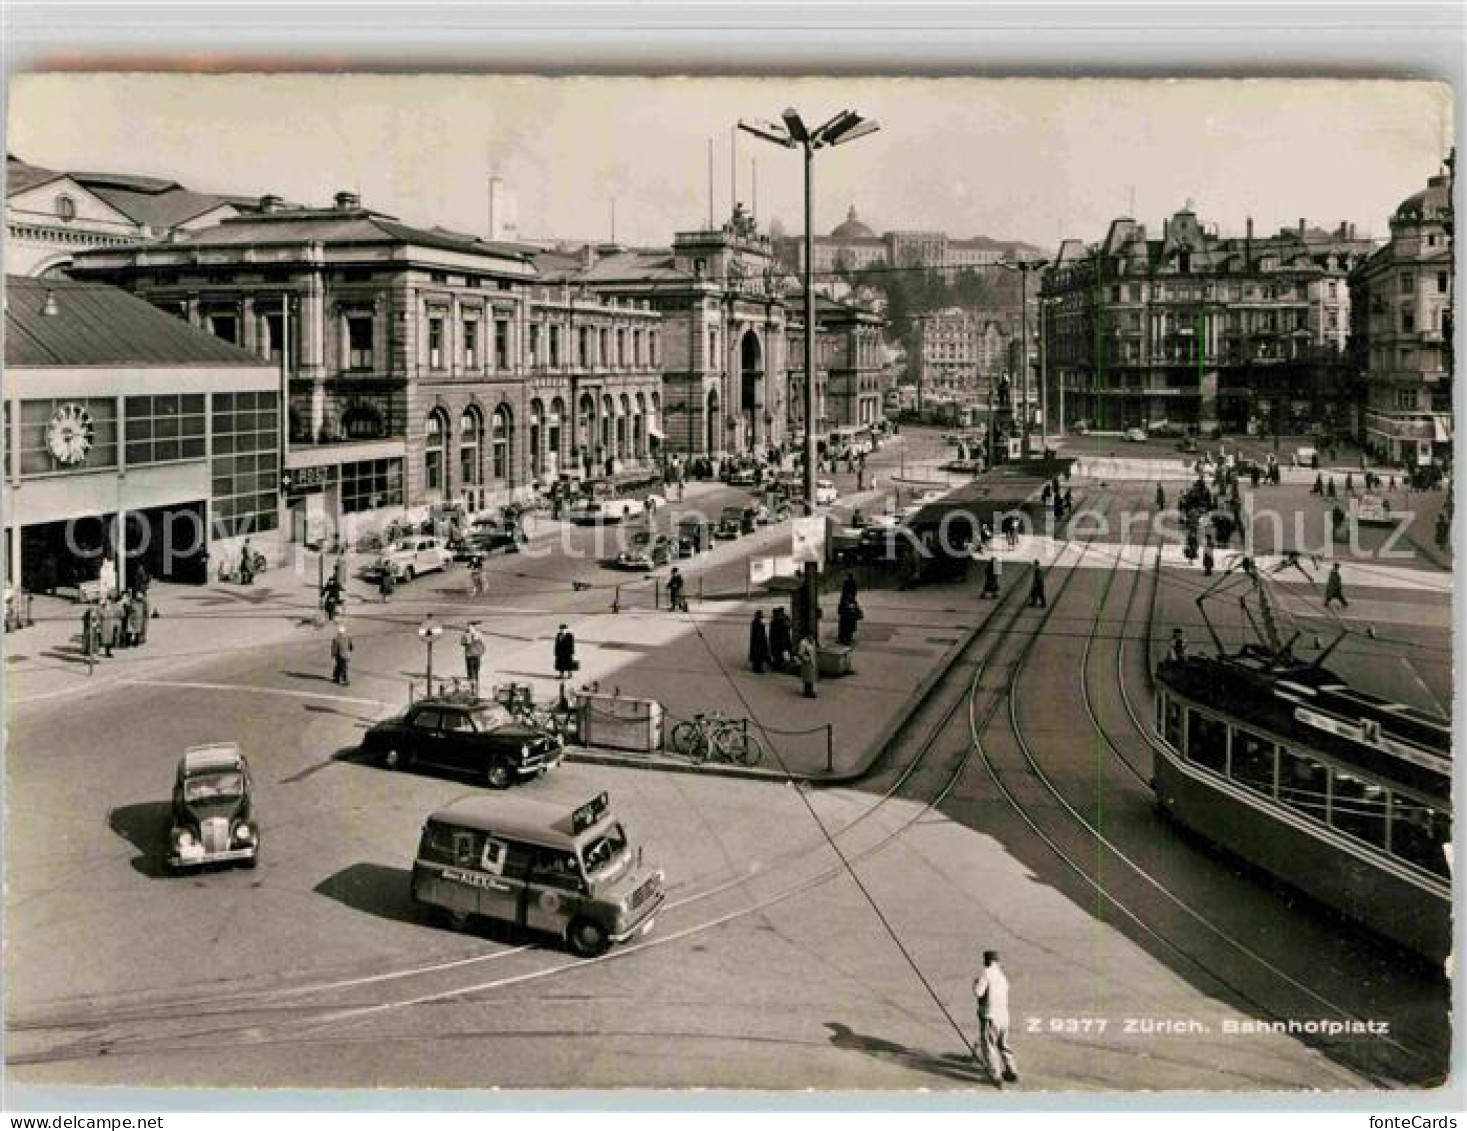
{"points": [[95, 324]]}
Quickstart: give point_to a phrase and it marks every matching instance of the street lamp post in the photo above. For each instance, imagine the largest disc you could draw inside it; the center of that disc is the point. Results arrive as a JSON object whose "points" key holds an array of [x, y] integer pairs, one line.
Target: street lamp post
{"points": [[430, 632], [845, 126], [1023, 267]]}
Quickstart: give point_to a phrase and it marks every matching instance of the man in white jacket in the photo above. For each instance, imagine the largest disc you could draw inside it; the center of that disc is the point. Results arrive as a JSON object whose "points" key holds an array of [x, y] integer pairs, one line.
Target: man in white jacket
{"points": [[991, 989]]}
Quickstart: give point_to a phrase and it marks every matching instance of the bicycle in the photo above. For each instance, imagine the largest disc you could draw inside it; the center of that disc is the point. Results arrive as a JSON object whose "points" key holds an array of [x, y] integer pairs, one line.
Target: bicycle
{"points": [[716, 737]]}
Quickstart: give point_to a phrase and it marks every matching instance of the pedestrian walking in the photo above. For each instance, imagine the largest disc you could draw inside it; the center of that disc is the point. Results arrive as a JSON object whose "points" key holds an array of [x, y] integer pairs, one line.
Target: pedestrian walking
{"points": [[140, 578], [847, 615], [331, 598], [861, 478], [341, 656], [1036, 588], [781, 640], [476, 575], [338, 571], [991, 992], [848, 589], [1069, 501], [474, 649], [1349, 483], [990, 578], [246, 564], [1334, 588], [758, 643], [145, 614], [1443, 529], [1207, 559], [108, 624], [1160, 498], [124, 609], [1178, 645], [1189, 550], [91, 633], [1329, 488], [565, 653], [676, 602], [137, 620], [386, 583], [808, 655], [1318, 488]]}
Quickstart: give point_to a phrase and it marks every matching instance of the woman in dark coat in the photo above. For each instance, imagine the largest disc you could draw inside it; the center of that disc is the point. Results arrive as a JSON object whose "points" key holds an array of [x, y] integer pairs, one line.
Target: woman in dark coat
{"points": [[758, 643], [108, 622], [565, 653], [781, 640]]}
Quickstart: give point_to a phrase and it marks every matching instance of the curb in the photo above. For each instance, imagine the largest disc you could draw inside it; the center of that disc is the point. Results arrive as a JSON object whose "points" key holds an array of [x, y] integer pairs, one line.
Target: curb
{"points": [[875, 750]]}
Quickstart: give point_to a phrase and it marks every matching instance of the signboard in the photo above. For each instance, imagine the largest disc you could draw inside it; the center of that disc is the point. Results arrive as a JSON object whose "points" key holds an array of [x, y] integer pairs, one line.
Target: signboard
{"points": [[807, 539], [304, 480], [762, 570]]}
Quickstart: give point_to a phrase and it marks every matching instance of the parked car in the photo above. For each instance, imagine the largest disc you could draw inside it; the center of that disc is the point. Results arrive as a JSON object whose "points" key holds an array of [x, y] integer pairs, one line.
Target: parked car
{"points": [[693, 536], [825, 493], [742, 477], [486, 536], [212, 814], [647, 551], [595, 511], [1187, 444], [736, 521], [413, 555], [477, 736], [1136, 435]]}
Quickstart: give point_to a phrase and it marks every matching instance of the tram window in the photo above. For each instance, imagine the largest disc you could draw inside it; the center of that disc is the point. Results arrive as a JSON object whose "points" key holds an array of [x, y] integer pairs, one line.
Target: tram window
{"points": [[1302, 783], [1207, 741], [1419, 834], [1253, 762], [1172, 722], [1358, 807]]}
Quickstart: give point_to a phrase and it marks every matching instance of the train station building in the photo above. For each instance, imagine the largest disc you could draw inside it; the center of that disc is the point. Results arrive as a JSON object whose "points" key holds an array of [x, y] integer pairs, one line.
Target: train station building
{"points": [[129, 435]]}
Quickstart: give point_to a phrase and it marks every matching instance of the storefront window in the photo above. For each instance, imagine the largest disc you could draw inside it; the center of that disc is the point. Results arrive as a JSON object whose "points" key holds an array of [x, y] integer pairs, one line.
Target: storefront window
{"points": [[370, 484], [246, 463]]}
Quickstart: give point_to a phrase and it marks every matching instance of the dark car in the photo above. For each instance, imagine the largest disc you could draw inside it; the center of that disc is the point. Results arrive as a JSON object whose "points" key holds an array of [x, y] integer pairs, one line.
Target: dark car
{"points": [[212, 820], [486, 537], [735, 521], [693, 536], [474, 735], [647, 551]]}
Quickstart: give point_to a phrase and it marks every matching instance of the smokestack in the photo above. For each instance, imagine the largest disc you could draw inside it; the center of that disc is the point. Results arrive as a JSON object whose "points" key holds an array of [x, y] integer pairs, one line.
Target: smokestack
{"points": [[1248, 245], [346, 201], [270, 203], [1301, 227]]}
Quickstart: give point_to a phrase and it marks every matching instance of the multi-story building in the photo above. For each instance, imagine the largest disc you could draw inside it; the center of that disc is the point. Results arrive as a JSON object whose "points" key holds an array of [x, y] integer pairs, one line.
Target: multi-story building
{"points": [[965, 355], [415, 359], [132, 436], [1401, 315], [723, 316], [850, 366], [852, 246], [1201, 330], [50, 216]]}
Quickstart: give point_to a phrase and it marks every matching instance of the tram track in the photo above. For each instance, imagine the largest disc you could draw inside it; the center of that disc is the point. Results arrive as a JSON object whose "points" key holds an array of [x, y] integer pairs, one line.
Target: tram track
{"points": [[1087, 867], [241, 1012]]}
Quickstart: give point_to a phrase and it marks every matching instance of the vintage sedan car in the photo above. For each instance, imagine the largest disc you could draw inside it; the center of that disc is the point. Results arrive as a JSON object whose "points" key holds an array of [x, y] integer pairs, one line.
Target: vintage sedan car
{"points": [[477, 736], [487, 535], [213, 820], [742, 476], [825, 493], [776, 509], [736, 521], [647, 551], [413, 555], [1136, 435], [595, 511]]}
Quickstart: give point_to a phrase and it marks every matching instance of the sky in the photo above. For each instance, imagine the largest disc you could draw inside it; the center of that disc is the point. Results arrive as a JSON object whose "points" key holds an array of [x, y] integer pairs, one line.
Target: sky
{"points": [[1029, 159]]}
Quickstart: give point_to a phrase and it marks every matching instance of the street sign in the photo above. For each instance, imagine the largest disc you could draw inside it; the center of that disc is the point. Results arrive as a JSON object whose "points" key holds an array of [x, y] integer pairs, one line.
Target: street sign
{"points": [[304, 480]]}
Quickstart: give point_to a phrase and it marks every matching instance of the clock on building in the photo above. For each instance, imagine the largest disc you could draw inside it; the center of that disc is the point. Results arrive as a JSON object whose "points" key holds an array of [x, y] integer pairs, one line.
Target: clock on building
{"points": [[69, 433]]}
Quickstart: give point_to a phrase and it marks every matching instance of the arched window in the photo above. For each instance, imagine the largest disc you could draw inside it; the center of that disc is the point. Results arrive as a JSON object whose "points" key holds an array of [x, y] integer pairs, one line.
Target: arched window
{"points": [[502, 426], [623, 426], [436, 430], [555, 432], [470, 437]]}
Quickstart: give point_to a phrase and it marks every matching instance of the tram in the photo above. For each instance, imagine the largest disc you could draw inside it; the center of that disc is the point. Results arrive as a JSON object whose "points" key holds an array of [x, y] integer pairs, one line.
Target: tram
{"points": [[1340, 794]]}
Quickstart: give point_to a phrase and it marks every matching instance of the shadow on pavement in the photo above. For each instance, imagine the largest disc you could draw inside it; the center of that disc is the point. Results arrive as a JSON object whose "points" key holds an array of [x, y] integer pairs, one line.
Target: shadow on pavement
{"points": [[953, 1066], [145, 826], [376, 889]]}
